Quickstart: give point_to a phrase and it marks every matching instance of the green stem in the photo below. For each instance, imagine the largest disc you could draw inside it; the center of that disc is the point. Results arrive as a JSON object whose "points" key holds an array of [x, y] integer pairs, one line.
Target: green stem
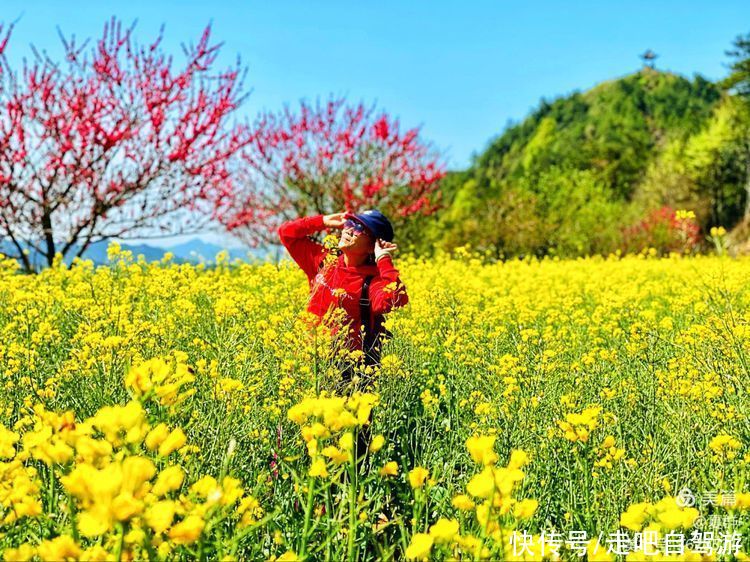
{"points": [[51, 490], [485, 527], [352, 504], [308, 514], [201, 544], [120, 542], [329, 511], [315, 364], [73, 523], [149, 546], [236, 539], [417, 511]]}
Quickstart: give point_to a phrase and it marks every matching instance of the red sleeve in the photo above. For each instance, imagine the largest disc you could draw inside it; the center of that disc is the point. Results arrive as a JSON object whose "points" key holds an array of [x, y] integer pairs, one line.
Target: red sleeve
{"points": [[386, 290], [295, 236]]}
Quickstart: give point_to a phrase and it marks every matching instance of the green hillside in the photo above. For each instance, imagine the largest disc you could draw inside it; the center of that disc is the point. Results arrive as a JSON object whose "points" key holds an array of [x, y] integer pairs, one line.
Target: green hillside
{"points": [[612, 129], [572, 176]]}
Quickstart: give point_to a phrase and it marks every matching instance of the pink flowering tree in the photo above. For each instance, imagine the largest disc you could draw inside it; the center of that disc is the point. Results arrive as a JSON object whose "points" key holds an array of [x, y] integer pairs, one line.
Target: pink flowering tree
{"points": [[325, 158], [115, 141]]}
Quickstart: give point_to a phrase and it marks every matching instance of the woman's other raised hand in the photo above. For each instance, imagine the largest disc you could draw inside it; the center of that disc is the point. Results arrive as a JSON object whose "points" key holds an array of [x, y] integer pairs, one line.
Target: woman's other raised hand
{"points": [[383, 248], [335, 220]]}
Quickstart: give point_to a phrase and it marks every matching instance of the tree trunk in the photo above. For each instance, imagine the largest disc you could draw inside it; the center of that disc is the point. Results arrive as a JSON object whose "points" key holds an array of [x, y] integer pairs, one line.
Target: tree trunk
{"points": [[48, 239]]}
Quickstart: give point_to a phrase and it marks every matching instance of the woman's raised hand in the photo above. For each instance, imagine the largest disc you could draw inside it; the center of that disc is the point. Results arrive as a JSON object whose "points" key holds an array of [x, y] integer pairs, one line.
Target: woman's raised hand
{"points": [[335, 220], [383, 248]]}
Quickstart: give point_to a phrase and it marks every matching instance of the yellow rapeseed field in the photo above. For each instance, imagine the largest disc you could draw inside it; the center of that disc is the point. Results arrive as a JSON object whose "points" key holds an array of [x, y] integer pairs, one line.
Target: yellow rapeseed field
{"points": [[524, 410]]}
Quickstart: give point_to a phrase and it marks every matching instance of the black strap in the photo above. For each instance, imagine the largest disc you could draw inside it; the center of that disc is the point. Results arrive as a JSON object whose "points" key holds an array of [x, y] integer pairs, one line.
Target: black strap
{"points": [[364, 304], [370, 343]]}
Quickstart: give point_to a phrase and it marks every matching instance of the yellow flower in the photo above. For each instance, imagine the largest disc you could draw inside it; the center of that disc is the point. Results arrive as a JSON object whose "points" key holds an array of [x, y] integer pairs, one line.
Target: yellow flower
{"points": [[419, 547], [525, 508], [518, 459], [318, 469], [347, 441], [462, 502], [675, 518], [337, 456], [91, 451], [135, 472], [169, 479], [7, 441], [249, 508], [27, 506], [125, 506], [113, 250], [312, 447], [315, 431], [683, 214], [156, 436], [96, 553], [482, 485], [164, 549], [93, 524], [389, 469], [577, 427], [444, 530], [417, 477], [671, 515], [635, 516], [725, 446], [188, 530], [206, 487], [23, 553], [481, 449], [174, 441], [159, 516], [298, 413], [59, 548], [164, 379], [377, 443], [84, 479], [122, 424], [231, 490]]}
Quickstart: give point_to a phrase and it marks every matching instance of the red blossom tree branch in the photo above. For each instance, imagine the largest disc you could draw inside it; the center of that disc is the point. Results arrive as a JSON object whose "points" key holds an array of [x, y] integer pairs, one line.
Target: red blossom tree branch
{"points": [[115, 140], [326, 158]]}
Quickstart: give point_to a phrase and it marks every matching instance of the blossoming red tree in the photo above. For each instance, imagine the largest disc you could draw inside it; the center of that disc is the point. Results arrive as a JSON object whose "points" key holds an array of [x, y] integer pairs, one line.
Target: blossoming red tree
{"points": [[664, 229], [112, 141], [325, 158]]}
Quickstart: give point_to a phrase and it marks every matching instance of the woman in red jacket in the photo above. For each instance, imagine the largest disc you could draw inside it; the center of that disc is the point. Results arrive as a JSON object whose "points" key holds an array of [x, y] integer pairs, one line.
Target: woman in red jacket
{"points": [[365, 257]]}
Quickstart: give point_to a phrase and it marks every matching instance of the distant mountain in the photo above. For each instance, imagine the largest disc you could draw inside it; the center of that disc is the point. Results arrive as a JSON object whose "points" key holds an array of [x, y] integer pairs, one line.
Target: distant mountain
{"points": [[199, 250], [191, 251], [97, 252]]}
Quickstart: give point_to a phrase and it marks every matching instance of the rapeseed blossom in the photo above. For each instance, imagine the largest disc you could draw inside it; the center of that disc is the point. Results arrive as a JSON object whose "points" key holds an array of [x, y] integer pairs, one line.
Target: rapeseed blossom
{"points": [[166, 410]]}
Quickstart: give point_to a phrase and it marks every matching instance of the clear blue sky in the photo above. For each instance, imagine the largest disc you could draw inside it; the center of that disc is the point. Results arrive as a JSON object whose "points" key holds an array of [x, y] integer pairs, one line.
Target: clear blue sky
{"points": [[460, 69]]}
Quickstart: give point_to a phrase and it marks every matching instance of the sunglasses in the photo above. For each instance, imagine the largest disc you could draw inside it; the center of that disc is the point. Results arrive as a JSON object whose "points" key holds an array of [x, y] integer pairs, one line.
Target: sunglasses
{"points": [[355, 226]]}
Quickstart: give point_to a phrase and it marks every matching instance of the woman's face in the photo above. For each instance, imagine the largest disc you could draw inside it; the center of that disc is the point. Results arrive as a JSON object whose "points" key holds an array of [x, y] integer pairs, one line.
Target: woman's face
{"points": [[355, 239]]}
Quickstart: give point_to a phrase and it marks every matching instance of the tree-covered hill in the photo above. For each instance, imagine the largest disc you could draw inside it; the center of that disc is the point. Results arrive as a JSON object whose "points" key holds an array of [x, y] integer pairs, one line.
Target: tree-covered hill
{"points": [[577, 174], [612, 129]]}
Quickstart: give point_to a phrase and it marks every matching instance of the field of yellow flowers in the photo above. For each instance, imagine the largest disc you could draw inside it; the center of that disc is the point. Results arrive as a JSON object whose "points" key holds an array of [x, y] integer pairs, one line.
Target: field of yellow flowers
{"points": [[539, 409]]}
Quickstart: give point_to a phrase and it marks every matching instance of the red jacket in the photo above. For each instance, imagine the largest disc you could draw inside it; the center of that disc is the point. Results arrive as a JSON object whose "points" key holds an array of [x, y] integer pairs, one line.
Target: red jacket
{"points": [[386, 290]]}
